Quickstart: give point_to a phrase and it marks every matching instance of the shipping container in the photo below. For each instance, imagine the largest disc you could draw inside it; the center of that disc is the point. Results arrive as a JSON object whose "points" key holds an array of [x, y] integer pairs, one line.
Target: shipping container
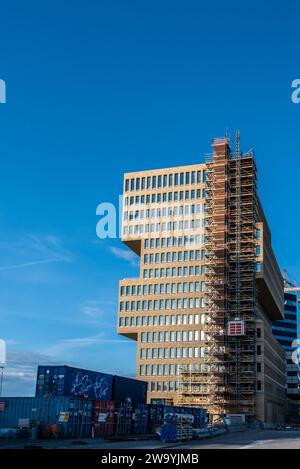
{"points": [[104, 418], [140, 419], [124, 421], [66, 381], [129, 390], [55, 417]]}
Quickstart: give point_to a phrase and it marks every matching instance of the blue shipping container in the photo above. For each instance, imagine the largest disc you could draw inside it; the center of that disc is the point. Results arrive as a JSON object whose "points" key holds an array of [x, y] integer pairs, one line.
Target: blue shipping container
{"points": [[129, 390], [73, 382], [21, 411]]}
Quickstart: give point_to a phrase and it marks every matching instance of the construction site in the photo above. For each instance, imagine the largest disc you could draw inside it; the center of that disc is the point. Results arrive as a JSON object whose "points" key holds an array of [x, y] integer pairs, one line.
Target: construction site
{"points": [[233, 365]]}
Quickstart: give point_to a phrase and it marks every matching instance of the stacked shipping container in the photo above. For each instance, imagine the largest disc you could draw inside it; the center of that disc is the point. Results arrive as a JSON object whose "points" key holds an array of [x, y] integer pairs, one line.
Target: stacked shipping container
{"points": [[67, 417], [68, 381], [72, 402], [64, 417]]}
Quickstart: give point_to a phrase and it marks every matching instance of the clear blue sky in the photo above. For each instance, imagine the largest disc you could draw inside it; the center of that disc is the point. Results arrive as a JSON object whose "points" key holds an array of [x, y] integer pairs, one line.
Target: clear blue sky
{"points": [[98, 88]]}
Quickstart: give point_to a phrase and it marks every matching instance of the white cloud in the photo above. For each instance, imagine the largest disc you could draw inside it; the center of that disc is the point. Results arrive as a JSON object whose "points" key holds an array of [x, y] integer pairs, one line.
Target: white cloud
{"points": [[96, 308], [92, 309], [125, 254], [32, 246], [27, 264], [67, 345]]}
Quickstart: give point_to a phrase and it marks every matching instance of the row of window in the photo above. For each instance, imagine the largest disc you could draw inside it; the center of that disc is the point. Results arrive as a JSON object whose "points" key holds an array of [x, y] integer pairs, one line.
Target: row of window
{"points": [[163, 386], [170, 386], [162, 288], [165, 197], [159, 337], [289, 302], [165, 337], [162, 320], [172, 272], [165, 212], [171, 241], [159, 305], [168, 369], [179, 256], [170, 226], [163, 228], [165, 180]]}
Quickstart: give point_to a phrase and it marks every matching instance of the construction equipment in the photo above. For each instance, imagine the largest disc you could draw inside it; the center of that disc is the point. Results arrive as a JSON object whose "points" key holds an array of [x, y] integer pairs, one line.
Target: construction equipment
{"points": [[289, 283]]}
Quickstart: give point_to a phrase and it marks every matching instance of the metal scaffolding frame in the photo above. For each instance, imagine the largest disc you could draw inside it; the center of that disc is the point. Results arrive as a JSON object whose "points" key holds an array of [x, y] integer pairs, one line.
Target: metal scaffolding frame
{"points": [[224, 382]]}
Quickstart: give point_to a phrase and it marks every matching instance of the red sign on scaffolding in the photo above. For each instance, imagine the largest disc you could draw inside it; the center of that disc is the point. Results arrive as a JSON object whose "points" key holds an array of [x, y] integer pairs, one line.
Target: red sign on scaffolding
{"points": [[236, 328]]}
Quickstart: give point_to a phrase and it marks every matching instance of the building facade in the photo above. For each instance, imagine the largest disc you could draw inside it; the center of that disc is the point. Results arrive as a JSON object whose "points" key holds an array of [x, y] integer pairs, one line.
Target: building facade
{"points": [[286, 332], [209, 288]]}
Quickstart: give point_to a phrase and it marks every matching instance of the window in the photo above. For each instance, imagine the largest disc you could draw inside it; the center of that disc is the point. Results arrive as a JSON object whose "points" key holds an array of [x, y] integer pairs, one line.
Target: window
{"points": [[258, 385], [127, 185]]}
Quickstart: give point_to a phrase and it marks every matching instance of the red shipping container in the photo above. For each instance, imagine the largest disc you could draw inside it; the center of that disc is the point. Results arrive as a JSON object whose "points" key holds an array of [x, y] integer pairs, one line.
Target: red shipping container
{"points": [[104, 416]]}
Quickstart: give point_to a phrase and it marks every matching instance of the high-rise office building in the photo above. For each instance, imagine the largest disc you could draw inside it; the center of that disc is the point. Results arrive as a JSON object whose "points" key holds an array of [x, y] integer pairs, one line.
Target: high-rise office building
{"points": [[286, 332], [209, 288]]}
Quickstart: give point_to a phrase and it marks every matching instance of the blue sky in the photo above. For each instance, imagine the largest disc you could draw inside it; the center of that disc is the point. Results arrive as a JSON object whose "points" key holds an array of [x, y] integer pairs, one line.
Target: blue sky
{"points": [[98, 88]]}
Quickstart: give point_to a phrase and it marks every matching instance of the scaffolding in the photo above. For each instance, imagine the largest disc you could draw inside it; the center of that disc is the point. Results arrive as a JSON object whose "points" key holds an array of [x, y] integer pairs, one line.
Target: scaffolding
{"points": [[224, 381]]}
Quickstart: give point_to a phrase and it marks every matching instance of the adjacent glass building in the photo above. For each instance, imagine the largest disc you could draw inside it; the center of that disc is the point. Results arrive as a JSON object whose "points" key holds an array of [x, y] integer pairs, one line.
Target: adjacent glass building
{"points": [[286, 332]]}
